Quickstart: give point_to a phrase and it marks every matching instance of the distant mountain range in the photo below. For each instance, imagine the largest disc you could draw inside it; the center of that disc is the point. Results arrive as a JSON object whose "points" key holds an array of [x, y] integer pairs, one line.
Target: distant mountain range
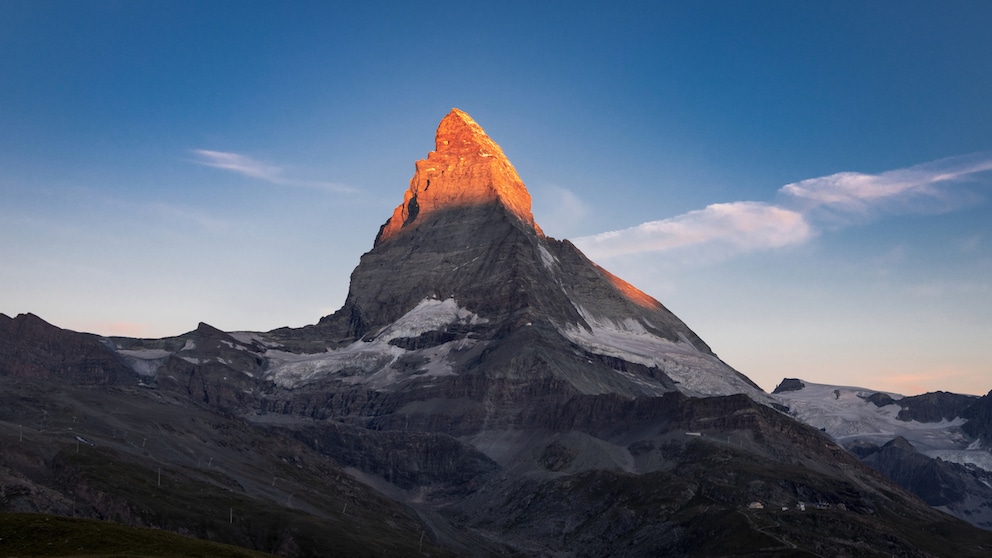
{"points": [[485, 390], [935, 444]]}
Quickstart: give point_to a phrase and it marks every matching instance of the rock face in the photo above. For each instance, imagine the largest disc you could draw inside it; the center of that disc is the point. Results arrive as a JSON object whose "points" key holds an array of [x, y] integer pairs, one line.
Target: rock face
{"points": [[963, 490], [789, 384], [979, 416], [466, 168], [33, 348], [935, 406]]}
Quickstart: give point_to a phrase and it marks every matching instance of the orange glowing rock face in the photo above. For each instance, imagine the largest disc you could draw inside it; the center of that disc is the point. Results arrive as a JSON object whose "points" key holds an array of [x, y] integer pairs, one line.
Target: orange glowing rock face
{"points": [[629, 291], [465, 168]]}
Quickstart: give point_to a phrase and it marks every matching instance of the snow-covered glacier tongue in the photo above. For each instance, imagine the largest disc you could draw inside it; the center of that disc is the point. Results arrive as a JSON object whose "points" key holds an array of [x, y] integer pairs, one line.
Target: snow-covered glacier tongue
{"points": [[696, 373], [371, 361]]}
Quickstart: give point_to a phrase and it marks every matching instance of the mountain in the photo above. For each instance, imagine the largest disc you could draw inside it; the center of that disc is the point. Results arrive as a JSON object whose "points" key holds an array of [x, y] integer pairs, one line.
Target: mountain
{"points": [[484, 390], [934, 444], [463, 297]]}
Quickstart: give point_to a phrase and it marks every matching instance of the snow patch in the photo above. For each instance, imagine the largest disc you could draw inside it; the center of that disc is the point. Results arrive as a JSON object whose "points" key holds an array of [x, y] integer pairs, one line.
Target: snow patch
{"points": [[429, 315], [547, 259], [145, 362], [233, 345], [189, 346]]}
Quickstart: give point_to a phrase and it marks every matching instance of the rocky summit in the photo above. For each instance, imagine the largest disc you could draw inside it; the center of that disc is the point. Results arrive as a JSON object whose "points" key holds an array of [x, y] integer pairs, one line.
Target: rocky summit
{"points": [[466, 168], [485, 390]]}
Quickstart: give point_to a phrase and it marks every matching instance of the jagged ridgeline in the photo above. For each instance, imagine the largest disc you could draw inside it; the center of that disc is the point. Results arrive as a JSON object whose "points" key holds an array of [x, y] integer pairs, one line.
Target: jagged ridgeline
{"points": [[485, 390]]}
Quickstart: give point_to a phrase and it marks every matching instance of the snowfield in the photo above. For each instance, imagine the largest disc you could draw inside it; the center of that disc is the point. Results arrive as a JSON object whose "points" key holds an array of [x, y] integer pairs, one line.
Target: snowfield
{"points": [[698, 374], [845, 413]]}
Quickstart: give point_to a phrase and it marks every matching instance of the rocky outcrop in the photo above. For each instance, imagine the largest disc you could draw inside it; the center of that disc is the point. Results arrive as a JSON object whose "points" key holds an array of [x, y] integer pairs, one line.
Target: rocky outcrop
{"points": [[962, 490], [404, 459], [880, 399], [789, 384], [935, 406], [466, 168], [979, 415], [33, 348]]}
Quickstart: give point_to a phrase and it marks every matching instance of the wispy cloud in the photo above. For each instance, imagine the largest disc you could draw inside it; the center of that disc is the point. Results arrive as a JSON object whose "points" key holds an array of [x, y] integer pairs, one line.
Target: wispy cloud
{"points": [[741, 226], [273, 174], [240, 164], [859, 193], [745, 226]]}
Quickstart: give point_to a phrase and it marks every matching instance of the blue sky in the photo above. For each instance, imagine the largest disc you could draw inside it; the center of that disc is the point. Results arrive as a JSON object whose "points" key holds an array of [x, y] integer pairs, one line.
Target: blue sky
{"points": [[806, 184]]}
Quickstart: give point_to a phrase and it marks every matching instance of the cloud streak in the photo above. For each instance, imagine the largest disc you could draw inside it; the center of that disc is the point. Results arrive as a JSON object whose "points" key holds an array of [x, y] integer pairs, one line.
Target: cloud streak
{"points": [[853, 192], [739, 226], [745, 226], [246, 166]]}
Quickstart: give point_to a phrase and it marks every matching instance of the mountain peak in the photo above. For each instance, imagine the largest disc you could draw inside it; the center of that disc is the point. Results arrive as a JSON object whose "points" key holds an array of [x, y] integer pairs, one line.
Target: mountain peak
{"points": [[466, 168]]}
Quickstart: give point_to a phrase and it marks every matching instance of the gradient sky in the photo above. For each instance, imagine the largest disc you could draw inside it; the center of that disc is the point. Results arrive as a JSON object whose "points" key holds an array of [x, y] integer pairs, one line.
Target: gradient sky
{"points": [[806, 184]]}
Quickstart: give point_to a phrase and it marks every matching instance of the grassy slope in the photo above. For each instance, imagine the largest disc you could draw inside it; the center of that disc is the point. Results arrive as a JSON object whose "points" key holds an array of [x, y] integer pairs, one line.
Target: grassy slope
{"points": [[24, 534]]}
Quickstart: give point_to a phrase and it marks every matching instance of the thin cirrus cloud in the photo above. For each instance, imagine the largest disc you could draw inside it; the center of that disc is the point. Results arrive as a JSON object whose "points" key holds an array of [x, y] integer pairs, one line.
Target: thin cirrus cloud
{"points": [[857, 193], [745, 226], [244, 165], [737, 226]]}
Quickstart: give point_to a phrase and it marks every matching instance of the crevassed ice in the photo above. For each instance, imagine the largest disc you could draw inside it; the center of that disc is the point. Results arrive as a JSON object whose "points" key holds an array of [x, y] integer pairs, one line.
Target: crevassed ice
{"points": [[370, 362], [697, 373], [291, 369]]}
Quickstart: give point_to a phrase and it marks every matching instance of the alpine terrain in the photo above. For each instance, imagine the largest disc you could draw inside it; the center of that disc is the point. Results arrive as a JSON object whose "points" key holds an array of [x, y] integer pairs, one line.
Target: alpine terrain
{"points": [[485, 390], [934, 444]]}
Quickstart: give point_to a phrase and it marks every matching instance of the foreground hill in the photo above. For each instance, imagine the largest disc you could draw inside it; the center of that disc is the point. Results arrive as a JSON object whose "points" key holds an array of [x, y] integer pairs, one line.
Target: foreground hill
{"points": [[46, 535]]}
